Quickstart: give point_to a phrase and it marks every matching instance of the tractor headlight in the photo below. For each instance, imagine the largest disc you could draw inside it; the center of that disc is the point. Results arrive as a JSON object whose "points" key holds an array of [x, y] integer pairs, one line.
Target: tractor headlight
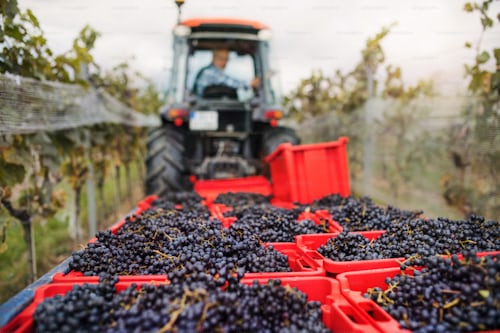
{"points": [[265, 34], [182, 31]]}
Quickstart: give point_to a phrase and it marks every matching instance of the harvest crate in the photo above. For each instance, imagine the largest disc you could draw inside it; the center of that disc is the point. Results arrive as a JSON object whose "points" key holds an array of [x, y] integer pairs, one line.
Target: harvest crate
{"points": [[307, 172], [338, 314], [318, 217], [210, 189], [300, 263], [142, 206], [310, 243], [218, 210], [323, 215], [354, 284]]}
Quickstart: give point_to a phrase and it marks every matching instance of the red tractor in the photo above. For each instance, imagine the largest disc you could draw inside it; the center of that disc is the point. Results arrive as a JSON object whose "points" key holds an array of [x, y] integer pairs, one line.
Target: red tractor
{"points": [[217, 129]]}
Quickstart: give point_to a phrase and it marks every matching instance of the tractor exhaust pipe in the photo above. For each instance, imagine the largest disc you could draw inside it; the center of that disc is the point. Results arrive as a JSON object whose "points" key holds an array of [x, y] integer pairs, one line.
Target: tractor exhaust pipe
{"points": [[179, 4]]}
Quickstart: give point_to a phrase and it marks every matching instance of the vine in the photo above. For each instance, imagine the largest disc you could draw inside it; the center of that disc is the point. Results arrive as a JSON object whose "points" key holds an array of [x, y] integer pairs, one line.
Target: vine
{"points": [[472, 184], [31, 165]]}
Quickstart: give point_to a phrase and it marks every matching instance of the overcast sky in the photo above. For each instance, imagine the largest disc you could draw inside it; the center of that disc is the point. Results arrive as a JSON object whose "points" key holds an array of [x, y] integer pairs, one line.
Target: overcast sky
{"points": [[324, 34]]}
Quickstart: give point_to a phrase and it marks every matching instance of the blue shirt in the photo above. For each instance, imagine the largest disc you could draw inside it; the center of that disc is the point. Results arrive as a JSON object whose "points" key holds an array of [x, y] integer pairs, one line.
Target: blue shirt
{"points": [[212, 75]]}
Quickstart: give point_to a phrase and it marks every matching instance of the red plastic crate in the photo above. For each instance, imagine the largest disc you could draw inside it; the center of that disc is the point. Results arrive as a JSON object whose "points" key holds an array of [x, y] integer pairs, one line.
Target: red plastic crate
{"points": [[307, 172], [338, 314], [300, 263], [79, 277], [321, 215], [310, 243], [210, 189], [218, 210], [354, 284], [146, 203], [24, 323], [142, 206]]}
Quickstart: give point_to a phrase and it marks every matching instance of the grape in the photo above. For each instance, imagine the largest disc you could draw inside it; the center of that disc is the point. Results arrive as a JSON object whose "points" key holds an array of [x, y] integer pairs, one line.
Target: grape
{"points": [[237, 199], [167, 241], [417, 237], [190, 201], [191, 306], [448, 295], [85, 308], [348, 247], [362, 214], [272, 224]]}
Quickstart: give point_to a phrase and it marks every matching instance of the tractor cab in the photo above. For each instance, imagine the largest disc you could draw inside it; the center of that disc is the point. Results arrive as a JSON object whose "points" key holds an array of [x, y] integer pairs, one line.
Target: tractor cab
{"points": [[220, 120], [248, 46]]}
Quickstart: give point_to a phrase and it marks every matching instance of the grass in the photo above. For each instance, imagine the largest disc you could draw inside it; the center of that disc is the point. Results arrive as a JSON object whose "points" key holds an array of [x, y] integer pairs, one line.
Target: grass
{"points": [[52, 242], [52, 245]]}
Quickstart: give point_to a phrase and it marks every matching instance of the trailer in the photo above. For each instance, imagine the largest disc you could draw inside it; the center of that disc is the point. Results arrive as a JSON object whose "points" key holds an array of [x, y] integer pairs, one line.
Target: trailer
{"points": [[328, 293]]}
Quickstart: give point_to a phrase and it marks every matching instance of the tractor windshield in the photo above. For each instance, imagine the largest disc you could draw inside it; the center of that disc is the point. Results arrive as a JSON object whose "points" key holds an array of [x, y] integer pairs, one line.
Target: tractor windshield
{"points": [[247, 58], [239, 67]]}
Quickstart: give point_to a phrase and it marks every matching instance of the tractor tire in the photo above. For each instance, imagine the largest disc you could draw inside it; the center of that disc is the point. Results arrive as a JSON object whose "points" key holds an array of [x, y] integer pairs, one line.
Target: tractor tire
{"points": [[166, 169], [273, 137]]}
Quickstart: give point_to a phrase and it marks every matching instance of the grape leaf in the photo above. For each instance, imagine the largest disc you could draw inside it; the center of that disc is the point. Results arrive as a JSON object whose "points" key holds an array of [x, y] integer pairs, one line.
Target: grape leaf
{"points": [[9, 8], [11, 173], [496, 54], [483, 57]]}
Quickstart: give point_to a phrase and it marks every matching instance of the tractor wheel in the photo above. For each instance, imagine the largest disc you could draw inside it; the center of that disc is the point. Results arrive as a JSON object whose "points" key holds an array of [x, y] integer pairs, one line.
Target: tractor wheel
{"points": [[275, 136], [166, 169]]}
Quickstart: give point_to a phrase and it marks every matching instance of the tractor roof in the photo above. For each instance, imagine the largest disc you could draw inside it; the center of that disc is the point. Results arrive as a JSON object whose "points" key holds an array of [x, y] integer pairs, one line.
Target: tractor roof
{"points": [[224, 25]]}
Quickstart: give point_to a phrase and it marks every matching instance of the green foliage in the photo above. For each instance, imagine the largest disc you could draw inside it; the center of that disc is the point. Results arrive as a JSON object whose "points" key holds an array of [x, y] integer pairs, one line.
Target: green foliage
{"points": [[32, 165], [343, 95], [51, 244], [23, 50], [10, 173], [401, 132], [472, 185]]}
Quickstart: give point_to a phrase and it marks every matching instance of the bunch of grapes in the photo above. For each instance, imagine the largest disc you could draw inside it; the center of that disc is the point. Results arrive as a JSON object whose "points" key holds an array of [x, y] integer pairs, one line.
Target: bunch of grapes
{"points": [[417, 237], [186, 201], [448, 295], [85, 308], [362, 214], [238, 199], [192, 306], [439, 236], [272, 224], [348, 247], [172, 241]]}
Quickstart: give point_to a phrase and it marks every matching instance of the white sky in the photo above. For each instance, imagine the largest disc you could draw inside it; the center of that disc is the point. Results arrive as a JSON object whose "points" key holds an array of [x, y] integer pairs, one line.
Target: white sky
{"points": [[322, 34]]}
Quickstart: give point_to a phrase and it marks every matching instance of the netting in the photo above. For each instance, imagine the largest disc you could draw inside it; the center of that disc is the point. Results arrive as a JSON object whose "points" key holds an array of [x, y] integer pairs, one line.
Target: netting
{"points": [[28, 106], [430, 154]]}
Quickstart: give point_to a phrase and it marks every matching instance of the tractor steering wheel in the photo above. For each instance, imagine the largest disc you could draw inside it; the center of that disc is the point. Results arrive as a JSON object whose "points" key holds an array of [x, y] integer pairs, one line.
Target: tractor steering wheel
{"points": [[220, 91]]}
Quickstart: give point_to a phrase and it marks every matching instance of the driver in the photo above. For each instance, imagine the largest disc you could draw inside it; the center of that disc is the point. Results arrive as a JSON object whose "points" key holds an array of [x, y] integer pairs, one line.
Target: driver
{"points": [[214, 74]]}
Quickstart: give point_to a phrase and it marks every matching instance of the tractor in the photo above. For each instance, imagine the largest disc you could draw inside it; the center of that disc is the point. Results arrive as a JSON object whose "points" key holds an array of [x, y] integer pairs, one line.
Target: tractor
{"points": [[221, 132]]}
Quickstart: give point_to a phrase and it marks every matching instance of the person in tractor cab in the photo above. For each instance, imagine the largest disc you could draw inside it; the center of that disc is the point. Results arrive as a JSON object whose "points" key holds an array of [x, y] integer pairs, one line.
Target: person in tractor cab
{"points": [[214, 74]]}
